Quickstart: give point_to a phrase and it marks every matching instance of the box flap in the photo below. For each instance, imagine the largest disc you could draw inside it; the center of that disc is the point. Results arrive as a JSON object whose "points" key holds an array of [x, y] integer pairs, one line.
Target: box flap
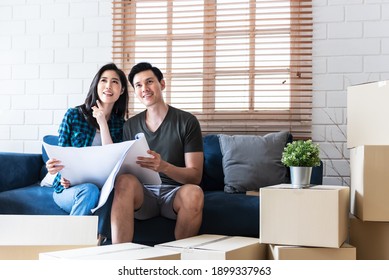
{"points": [[48, 230], [367, 114]]}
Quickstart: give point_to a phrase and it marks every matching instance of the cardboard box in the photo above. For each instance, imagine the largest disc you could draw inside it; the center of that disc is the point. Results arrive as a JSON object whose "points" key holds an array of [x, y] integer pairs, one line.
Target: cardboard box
{"points": [[31, 252], [370, 238], [367, 114], [369, 183], [23, 237], [289, 252], [315, 216], [217, 247], [123, 251]]}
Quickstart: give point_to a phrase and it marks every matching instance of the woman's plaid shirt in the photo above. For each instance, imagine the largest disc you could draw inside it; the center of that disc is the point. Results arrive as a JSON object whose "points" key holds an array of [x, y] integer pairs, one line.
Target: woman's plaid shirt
{"points": [[75, 131]]}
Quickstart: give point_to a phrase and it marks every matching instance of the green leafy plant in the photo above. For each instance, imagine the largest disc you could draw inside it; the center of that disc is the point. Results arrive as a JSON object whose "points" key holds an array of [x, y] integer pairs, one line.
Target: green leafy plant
{"points": [[301, 153]]}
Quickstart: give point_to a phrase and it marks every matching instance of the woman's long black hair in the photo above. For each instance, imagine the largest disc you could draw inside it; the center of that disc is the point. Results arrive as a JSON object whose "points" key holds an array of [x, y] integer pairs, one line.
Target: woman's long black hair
{"points": [[120, 106]]}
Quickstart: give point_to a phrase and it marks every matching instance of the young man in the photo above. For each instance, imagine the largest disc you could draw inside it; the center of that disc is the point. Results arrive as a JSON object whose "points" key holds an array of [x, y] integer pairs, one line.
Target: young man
{"points": [[176, 152]]}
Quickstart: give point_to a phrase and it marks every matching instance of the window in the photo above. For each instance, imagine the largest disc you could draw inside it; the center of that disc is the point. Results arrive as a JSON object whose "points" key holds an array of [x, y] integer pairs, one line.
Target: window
{"points": [[241, 66]]}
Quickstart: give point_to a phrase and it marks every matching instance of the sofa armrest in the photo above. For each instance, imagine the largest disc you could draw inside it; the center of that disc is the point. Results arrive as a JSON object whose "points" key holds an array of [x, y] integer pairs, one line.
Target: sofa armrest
{"points": [[19, 170]]}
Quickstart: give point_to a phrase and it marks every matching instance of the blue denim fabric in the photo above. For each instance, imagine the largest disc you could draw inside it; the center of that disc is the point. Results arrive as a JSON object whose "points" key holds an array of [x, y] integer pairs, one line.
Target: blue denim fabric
{"points": [[78, 199]]}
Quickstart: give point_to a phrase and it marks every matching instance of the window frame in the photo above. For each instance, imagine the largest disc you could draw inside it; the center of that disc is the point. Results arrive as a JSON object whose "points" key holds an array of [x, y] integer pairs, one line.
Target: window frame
{"points": [[297, 118]]}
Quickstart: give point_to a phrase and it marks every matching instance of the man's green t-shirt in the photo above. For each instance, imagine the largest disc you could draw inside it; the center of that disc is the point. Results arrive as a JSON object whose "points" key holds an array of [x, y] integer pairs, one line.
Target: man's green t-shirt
{"points": [[179, 133]]}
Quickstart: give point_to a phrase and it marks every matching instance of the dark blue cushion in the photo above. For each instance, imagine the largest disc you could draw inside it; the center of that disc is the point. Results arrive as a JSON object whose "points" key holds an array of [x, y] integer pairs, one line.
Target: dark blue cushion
{"points": [[162, 228], [223, 213], [230, 214], [31, 200], [36, 200], [19, 170], [148, 232], [317, 174], [151, 232], [48, 139], [213, 176]]}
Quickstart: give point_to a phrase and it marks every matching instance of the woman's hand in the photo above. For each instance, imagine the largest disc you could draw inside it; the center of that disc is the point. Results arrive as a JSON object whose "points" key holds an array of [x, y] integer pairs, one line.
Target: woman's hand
{"points": [[65, 183], [53, 166], [99, 113]]}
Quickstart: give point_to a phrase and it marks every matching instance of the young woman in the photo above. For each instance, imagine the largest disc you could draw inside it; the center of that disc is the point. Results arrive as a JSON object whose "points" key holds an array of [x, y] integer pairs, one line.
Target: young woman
{"points": [[99, 121]]}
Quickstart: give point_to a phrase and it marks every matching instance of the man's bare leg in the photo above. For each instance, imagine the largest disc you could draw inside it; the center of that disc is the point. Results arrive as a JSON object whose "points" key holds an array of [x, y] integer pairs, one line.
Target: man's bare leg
{"points": [[128, 196], [188, 204]]}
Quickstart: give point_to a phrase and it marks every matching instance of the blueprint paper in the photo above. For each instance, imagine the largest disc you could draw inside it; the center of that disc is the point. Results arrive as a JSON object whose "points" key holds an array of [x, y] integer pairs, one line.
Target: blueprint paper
{"points": [[101, 164]]}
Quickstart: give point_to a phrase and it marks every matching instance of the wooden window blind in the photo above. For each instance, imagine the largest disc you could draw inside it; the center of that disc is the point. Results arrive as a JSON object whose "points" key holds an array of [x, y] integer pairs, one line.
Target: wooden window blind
{"points": [[241, 66]]}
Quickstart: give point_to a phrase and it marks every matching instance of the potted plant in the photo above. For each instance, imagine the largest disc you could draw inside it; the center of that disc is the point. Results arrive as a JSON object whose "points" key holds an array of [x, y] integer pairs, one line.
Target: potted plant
{"points": [[300, 156]]}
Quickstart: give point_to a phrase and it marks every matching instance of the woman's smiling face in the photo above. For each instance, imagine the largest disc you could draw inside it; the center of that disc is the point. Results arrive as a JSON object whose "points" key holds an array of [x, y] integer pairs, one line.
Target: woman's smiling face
{"points": [[109, 87]]}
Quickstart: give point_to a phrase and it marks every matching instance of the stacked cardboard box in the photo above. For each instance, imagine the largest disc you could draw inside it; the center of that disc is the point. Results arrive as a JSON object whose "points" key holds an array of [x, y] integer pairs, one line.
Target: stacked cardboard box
{"points": [[289, 252], [310, 223], [368, 141], [23, 237]]}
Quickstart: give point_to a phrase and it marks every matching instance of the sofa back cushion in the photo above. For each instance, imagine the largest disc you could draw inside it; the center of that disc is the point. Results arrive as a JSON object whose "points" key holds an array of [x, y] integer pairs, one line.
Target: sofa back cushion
{"points": [[47, 178], [48, 139], [19, 170], [251, 161], [213, 176]]}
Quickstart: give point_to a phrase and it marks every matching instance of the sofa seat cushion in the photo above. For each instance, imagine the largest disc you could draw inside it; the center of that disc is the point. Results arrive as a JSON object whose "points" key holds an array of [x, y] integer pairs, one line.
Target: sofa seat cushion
{"points": [[31, 200], [230, 214], [223, 213], [145, 231]]}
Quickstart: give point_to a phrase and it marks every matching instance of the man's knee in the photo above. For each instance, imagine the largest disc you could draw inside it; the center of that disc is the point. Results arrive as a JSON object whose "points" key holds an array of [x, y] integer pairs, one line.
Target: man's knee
{"points": [[128, 192], [126, 183], [191, 196]]}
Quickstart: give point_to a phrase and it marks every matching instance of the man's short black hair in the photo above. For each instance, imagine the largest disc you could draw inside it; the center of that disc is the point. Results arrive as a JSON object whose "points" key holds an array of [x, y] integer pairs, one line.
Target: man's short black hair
{"points": [[144, 66]]}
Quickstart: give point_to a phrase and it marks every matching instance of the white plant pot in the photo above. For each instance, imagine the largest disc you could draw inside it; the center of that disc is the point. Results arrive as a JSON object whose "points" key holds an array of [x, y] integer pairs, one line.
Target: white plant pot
{"points": [[300, 176]]}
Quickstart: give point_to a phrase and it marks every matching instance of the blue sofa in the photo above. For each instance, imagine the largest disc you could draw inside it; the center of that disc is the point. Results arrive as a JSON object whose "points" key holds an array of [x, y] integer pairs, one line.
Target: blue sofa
{"points": [[224, 213]]}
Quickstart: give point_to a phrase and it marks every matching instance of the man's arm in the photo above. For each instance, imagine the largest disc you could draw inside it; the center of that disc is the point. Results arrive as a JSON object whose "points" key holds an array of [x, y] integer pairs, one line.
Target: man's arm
{"points": [[191, 173]]}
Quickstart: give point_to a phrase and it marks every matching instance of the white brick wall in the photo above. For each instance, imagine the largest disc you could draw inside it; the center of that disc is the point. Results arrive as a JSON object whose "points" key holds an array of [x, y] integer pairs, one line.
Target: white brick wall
{"points": [[351, 46], [51, 49], [49, 53]]}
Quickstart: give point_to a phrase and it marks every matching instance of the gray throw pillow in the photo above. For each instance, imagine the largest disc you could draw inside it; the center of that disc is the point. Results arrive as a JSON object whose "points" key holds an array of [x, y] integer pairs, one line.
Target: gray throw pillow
{"points": [[251, 162]]}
